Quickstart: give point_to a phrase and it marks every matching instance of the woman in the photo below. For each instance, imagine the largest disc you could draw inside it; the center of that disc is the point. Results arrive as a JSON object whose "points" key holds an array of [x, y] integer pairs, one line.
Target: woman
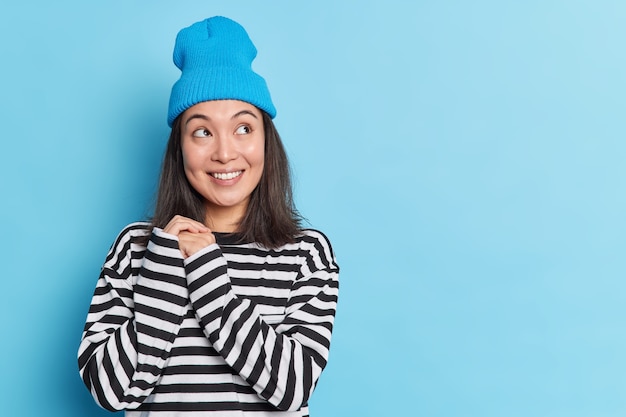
{"points": [[222, 305]]}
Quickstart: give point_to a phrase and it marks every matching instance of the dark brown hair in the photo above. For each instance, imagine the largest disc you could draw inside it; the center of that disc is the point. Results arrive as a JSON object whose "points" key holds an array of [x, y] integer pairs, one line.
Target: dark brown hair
{"points": [[271, 218]]}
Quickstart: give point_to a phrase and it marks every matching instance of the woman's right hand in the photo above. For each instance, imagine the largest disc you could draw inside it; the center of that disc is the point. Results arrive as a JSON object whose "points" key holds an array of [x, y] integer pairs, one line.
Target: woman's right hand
{"points": [[192, 235]]}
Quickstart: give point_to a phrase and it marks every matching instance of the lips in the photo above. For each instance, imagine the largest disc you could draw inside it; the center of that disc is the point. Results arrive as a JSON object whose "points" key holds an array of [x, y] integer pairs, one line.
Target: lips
{"points": [[226, 175]]}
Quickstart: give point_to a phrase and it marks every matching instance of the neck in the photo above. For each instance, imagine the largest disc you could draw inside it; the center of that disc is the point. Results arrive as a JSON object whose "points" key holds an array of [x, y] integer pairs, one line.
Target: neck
{"points": [[223, 219]]}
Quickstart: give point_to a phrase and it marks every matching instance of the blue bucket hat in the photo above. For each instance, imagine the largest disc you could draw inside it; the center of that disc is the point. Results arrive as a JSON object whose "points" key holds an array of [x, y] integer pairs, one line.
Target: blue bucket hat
{"points": [[215, 57]]}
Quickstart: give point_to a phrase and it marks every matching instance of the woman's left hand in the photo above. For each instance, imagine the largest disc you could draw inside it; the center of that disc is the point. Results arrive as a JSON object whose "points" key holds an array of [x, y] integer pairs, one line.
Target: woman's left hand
{"points": [[192, 242], [192, 235]]}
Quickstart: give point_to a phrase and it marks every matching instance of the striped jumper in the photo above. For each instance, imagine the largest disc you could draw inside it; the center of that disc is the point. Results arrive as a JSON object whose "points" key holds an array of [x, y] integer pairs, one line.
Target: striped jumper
{"points": [[234, 330]]}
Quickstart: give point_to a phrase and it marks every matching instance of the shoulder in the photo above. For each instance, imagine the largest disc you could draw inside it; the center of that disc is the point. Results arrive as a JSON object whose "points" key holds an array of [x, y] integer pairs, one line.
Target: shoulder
{"points": [[133, 232], [129, 240], [318, 247], [311, 235]]}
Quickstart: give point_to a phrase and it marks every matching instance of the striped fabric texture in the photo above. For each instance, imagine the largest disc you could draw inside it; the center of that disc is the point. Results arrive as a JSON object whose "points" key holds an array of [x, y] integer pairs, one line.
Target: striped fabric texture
{"points": [[235, 330]]}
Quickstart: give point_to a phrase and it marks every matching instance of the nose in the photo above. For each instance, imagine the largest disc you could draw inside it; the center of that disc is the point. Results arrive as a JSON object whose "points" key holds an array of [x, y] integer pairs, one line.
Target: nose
{"points": [[225, 149]]}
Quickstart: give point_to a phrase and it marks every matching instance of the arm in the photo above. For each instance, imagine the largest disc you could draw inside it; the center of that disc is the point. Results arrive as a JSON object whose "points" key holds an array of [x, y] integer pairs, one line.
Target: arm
{"points": [[283, 362], [134, 317]]}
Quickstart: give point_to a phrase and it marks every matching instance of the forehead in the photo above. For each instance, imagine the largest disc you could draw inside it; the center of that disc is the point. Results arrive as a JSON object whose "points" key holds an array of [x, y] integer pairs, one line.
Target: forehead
{"points": [[221, 110]]}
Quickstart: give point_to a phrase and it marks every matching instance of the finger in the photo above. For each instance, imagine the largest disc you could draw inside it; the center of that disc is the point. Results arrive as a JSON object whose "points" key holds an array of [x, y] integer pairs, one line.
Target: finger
{"points": [[196, 227], [180, 223], [190, 243], [203, 238]]}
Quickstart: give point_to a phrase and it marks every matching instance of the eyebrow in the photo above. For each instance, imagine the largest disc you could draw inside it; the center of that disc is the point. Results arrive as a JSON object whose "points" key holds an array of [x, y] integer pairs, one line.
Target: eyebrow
{"points": [[234, 116], [243, 112], [196, 116]]}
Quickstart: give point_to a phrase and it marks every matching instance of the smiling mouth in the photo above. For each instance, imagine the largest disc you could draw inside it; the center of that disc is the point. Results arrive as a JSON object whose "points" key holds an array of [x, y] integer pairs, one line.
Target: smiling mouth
{"points": [[226, 175]]}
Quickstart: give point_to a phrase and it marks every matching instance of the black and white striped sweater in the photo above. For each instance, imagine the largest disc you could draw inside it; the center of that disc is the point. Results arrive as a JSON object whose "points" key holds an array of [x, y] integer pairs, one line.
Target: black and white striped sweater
{"points": [[234, 330]]}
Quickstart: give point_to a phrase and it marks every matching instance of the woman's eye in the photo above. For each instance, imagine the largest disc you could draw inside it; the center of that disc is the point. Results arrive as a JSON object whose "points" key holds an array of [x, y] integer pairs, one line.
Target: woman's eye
{"points": [[201, 133], [243, 130]]}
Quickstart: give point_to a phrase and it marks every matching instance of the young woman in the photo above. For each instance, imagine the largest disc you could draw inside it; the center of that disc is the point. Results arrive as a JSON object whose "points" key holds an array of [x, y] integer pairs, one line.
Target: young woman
{"points": [[222, 305]]}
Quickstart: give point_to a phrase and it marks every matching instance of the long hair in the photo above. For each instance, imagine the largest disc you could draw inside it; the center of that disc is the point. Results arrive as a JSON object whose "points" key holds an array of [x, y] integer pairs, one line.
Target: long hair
{"points": [[271, 218]]}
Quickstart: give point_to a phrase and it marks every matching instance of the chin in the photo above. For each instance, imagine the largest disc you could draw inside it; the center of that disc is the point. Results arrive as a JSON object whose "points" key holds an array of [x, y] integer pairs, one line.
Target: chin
{"points": [[226, 204]]}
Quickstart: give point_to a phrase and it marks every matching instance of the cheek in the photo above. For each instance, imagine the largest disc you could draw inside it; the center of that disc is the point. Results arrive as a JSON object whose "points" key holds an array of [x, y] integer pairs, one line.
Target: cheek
{"points": [[257, 156], [260, 160], [190, 159], [190, 166], [185, 163]]}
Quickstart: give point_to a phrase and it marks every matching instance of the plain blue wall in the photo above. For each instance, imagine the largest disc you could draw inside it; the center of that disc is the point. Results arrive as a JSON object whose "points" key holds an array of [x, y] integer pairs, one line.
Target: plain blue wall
{"points": [[465, 158]]}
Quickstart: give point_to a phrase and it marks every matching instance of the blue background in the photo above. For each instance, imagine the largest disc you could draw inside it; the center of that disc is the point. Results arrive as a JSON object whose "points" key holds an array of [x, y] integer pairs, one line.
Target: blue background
{"points": [[465, 158]]}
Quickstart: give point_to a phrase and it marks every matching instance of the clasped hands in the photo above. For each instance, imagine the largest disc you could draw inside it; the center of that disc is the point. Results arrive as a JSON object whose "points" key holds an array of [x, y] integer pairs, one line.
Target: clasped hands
{"points": [[192, 235]]}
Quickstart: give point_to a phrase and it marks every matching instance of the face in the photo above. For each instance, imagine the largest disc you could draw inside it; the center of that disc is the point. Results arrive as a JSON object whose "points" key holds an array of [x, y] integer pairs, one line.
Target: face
{"points": [[223, 155]]}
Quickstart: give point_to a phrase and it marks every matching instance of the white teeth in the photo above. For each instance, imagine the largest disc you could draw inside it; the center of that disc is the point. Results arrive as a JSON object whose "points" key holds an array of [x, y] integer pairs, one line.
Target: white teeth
{"points": [[226, 175]]}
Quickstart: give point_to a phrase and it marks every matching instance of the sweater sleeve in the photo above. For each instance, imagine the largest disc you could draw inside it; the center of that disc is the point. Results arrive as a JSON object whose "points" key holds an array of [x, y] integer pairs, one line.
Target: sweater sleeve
{"points": [[134, 318], [281, 362]]}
